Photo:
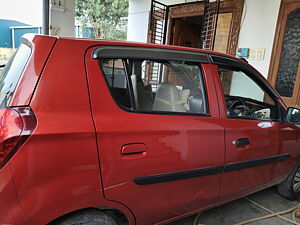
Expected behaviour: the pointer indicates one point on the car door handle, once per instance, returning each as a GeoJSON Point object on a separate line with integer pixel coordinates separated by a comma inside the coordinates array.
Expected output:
{"type": "Point", "coordinates": [242, 142]}
{"type": "Point", "coordinates": [133, 148]}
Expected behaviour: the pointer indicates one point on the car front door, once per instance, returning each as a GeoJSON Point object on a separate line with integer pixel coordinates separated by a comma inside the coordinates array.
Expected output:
{"type": "Point", "coordinates": [252, 121]}
{"type": "Point", "coordinates": [161, 143]}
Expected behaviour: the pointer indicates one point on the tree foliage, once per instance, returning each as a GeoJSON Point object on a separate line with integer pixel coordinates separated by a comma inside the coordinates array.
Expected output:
{"type": "Point", "coordinates": [107, 18]}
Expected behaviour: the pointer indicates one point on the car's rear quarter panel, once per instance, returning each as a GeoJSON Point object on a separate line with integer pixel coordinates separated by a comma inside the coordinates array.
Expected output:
{"type": "Point", "coordinates": [11, 212]}
{"type": "Point", "coordinates": [41, 47]}
{"type": "Point", "coordinates": [57, 171]}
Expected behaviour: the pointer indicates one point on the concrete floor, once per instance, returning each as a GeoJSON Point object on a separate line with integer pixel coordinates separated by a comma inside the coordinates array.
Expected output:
{"type": "Point", "coordinates": [241, 210]}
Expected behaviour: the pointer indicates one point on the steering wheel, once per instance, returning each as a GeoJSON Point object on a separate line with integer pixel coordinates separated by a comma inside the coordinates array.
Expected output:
{"type": "Point", "coordinates": [238, 106]}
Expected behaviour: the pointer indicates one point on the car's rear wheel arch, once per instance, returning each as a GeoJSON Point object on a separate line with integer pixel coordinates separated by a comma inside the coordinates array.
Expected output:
{"type": "Point", "coordinates": [119, 217]}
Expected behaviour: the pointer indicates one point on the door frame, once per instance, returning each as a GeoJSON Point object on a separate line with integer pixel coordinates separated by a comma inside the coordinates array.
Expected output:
{"type": "Point", "coordinates": [277, 47]}
{"type": "Point", "coordinates": [197, 9]}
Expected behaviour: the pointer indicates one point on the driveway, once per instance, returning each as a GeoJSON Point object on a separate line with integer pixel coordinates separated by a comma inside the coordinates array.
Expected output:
{"type": "Point", "coordinates": [241, 210]}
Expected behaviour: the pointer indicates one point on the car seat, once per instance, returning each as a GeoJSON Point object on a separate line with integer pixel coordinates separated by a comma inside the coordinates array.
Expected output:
{"type": "Point", "coordinates": [168, 99]}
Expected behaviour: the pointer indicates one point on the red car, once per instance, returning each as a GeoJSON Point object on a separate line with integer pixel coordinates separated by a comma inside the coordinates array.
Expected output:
{"type": "Point", "coordinates": [103, 132]}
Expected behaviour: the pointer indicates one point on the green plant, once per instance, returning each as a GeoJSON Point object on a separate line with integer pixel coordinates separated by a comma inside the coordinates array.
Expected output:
{"type": "Point", "coordinates": [107, 18]}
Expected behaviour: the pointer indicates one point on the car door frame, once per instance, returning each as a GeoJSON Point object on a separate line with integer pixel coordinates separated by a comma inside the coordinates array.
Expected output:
{"type": "Point", "coordinates": [113, 192]}
{"type": "Point", "coordinates": [279, 154]}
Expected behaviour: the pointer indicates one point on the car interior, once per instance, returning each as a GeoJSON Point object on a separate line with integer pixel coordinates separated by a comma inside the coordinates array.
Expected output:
{"type": "Point", "coordinates": [162, 86]}
{"type": "Point", "coordinates": [244, 98]}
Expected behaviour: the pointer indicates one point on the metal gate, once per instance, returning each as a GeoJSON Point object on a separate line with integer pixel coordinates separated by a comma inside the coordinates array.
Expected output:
{"type": "Point", "coordinates": [211, 15]}
{"type": "Point", "coordinates": [159, 26]}
{"type": "Point", "coordinates": [159, 22]}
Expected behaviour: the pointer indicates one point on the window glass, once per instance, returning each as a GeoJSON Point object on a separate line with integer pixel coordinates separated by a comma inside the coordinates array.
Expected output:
{"type": "Point", "coordinates": [11, 74]}
{"type": "Point", "coordinates": [245, 98]}
{"type": "Point", "coordinates": [114, 72]}
{"type": "Point", "coordinates": [158, 86]}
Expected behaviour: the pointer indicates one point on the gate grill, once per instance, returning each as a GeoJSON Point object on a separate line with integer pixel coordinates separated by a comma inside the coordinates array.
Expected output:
{"type": "Point", "coordinates": [211, 14]}
{"type": "Point", "coordinates": [158, 31]}
{"type": "Point", "coordinates": [157, 35]}
{"type": "Point", "coordinates": [158, 23]}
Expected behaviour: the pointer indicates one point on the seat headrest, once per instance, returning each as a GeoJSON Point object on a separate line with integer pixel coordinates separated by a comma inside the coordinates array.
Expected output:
{"type": "Point", "coordinates": [168, 99]}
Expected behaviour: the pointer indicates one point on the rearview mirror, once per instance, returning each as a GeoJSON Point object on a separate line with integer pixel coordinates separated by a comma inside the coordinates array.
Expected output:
{"type": "Point", "coordinates": [293, 115]}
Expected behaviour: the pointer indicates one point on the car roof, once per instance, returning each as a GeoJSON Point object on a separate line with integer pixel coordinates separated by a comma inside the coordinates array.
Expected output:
{"type": "Point", "coordinates": [93, 41]}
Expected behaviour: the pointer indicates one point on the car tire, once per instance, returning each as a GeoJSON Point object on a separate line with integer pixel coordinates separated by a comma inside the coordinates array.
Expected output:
{"type": "Point", "coordinates": [87, 217]}
{"type": "Point", "coordinates": [290, 188]}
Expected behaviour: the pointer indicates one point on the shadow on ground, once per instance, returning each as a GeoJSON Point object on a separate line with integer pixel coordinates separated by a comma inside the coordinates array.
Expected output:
{"type": "Point", "coordinates": [241, 210]}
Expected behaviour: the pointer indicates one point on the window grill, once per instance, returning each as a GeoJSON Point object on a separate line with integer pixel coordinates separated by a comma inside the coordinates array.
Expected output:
{"type": "Point", "coordinates": [211, 14]}
{"type": "Point", "coordinates": [157, 35]}
{"type": "Point", "coordinates": [158, 23]}
{"type": "Point", "coordinates": [158, 26]}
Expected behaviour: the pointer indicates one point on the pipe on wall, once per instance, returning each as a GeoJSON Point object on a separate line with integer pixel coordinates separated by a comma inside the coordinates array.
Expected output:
{"type": "Point", "coordinates": [46, 17]}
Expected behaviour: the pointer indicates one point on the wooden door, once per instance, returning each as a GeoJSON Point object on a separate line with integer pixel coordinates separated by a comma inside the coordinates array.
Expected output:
{"type": "Point", "coordinates": [285, 67]}
{"type": "Point", "coordinates": [230, 18]}
{"type": "Point", "coordinates": [186, 34]}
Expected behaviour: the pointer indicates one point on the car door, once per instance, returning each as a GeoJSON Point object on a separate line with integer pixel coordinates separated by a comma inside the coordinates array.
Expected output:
{"type": "Point", "coordinates": [161, 143]}
{"type": "Point", "coordinates": [252, 120]}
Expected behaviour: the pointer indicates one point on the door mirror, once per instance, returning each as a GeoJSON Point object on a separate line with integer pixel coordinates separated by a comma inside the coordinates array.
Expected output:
{"type": "Point", "coordinates": [293, 115]}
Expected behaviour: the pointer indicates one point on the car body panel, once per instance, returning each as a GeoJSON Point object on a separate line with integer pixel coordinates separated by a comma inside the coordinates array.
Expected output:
{"type": "Point", "coordinates": [263, 144]}
{"type": "Point", "coordinates": [11, 211]}
{"type": "Point", "coordinates": [172, 143]}
{"type": "Point", "coordinates": [267, 139]}
{"type": "Point", "coordinates": [73, 159]}
{"type": "Point", "coordinates": [59, 161]}
{"type": "Point", "coordinates": [41, 47]}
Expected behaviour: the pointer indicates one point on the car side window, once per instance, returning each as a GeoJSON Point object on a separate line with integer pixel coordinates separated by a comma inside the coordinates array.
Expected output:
{"type": "Point", "coordinates": [115, 74]}
{"type": "Point", "coordinates": [245, 98]}
{"type": "Point", "coordinates": [157, 86]}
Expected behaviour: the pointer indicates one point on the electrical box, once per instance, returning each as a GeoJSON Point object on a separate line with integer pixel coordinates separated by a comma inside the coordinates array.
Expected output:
{"type": "Point", "coordinates": [243, 52]}
{"type": "Point", "coordinates": [257, 54]}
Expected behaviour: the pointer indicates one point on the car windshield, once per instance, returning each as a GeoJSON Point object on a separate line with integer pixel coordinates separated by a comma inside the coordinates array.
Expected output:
{"type": "Point", "coordinates": [11, 74]}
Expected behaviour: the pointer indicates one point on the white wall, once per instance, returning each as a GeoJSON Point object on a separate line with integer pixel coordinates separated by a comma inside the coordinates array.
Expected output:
{"type": "Point", "coordinates": [62, 19]}
{"type": "Point", "coordinates": [258, 29]}
{"type": "Point", "coordinates": [138, 20]}
{"type": "Point", "coordinates": [29, 11]}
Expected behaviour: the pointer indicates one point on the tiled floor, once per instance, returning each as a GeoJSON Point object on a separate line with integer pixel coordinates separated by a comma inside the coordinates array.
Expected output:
{"type": "Point", "coordinates": [241, 210]}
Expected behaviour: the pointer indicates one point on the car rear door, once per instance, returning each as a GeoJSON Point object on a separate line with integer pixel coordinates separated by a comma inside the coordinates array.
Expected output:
{"type": "Point", "coordinates": [252, 120]}
{"type": "Point", "coordinates": [160, 155]}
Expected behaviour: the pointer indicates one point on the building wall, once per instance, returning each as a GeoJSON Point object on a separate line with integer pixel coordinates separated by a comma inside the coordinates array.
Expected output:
{"type": "Point", "coordinates": [257, 26]}
{"type": "Point", "coordinates": [62, 18]}
{"type": "Point", "coordinates": [5, 32]}
{"type": "Point", "coordinates": [138, 20]}
{"type": "Point", "coordinates": [258, 29]}
{"type": "Point", "coordinates": [20, 31]}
